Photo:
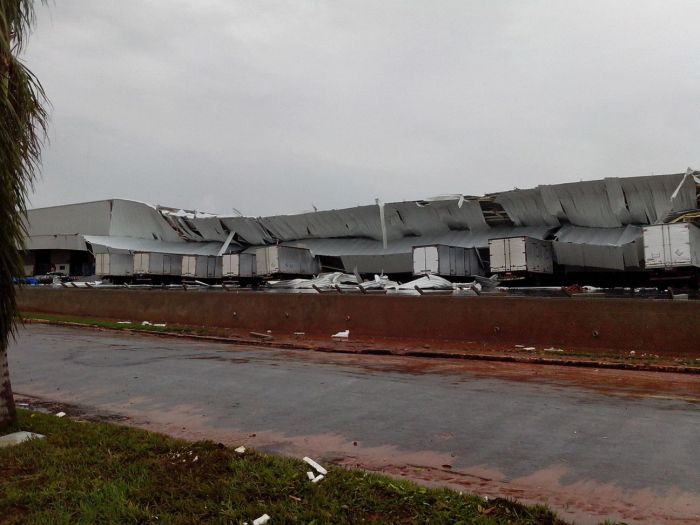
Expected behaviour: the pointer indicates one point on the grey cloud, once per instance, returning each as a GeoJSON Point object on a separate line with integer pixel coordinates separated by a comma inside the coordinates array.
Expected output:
{"type": "Point", "coordinates": [271, 107]}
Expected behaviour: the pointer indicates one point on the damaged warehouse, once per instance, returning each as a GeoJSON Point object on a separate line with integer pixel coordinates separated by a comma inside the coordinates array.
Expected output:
{"type": "Point", "coordinates": [551, 234]}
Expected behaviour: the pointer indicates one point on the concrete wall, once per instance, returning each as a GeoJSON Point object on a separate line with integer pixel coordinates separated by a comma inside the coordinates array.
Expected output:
{"type": "Point", "coordinates": [625, 324]}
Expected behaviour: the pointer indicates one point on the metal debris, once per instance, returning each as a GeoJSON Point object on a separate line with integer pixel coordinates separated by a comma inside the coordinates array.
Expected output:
{"type": "Point", "coordinates": [315, 465]}
{"type": "Point", "coordinates": [345, 334]}
{"type": "Point", "coordinates": [261, 520]}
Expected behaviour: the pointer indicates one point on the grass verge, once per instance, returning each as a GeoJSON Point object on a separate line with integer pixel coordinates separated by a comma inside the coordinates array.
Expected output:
{"type": "Point", "coordinates": [86, 472]}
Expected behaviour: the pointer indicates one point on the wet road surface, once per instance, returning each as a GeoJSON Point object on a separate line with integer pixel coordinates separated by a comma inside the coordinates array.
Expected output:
{"type": "Point", "coordinates": [591, 444]}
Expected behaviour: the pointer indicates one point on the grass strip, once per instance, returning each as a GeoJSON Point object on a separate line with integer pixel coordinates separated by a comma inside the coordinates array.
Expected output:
{"type": "Point", "coordinates": [87, 472]}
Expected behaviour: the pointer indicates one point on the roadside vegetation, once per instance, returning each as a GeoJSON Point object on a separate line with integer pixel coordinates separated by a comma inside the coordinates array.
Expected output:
{"type": "Point", "coordinates": [86, 472]}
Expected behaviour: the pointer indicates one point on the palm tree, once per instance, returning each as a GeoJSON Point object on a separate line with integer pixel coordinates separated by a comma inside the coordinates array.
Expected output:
{"type": "Point", "coordinates": [23, 120]}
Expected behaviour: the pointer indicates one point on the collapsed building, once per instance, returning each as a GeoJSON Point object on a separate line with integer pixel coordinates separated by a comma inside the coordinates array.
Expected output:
{"type": "Point", "coordinates": [610, 226]}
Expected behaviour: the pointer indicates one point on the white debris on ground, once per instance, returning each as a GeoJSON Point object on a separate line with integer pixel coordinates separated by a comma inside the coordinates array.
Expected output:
{"type": "Point", "coordinates": [428, 282]}
{"type": "Point", "coordinates": [123, 322]}
{"type": "Point", "coordinates": [323, 280]}
{"type": "Point", "coordinates": [310, 475]}
{"type": "Point", "coordinates": [261, 520]}
{"type": "Point", "coordinates": [60, 414]}
{"type": "Point", "coordinates": [146, 323]}
{"type": "Point", "coordinates": [315, 465]}
{"type": "Point", "coordinates": [345, 334]}
{"type": "Point", "coordinates": [18, 437]}
{"type": "Point", "coordinates": [160, 325]}
{"type": "Point", "coordinates": [240, 450]}
{"type": "Point", "coordinates": [351, 282]}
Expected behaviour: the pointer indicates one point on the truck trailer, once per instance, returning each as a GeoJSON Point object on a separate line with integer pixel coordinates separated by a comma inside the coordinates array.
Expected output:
{"type": "Point", "coordinates": [284, 260]}
{"type": "Point", "coordinates": [446, 261]}
{"type": "Point", "coordinates": [520, 256]}
{"type": "Point", "coordinates": [668, 246]}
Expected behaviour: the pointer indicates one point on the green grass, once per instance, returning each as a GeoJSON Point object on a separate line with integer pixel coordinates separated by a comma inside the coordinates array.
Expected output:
{"type": "Point", "coordinates": [86, 472]}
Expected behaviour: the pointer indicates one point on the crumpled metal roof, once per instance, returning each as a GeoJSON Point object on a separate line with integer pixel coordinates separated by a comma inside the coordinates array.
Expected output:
{"type": "Point", "coordinates": [600, 236]}
{"type": "Point", "coordinates": [606, 203]}
{"type": "Point", "coordinates": [112, 244]}
{"type": "Point", "coordinates": [401, 219]}
{"type": "Point", "coordinates": [454, 220]}
{"type": "Point", "coordinates": [604, 248]}
{"type": "Point", "coordinates": [466, 239]}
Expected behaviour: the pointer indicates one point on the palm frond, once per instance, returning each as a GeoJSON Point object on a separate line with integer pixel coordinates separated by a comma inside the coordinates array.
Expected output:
{"type": "Point", "coordinates": [23, 122]}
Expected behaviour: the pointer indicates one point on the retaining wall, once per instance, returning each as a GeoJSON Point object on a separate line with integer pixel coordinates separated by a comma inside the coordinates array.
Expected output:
{"type": "Point", "coordinates": [657, 326]}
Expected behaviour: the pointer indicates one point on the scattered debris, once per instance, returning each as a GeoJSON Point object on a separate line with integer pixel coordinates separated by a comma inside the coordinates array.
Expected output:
{"type": "Point", "coordinates": [529, 348]}
{"type": "Point", "coordinates": [261, 520]}
{"type": "Point", "coordinates": [315, 465]}
{"type": "Point", "coordinates": [299, 334]}
{"type": "Point", "coordinates": [310, 475]}
{"type": "Point", "coordinates": [146, 323]}
{"type": "Point", "coordinates": [240, 450]}
{"type": "Point", "coordinates": [18, 437]}
{"type": "Point", "coordinates": [318, 478]}
{"type": "Point", "coordinates": [553, 350]}
{"type": "Point", "coordinates": [60, 414]}
{"type": "Point", "coordinates": [261, 336]}
{"type": "Point", "coordinates": [123, 322]}
{"type": "Point", "coordinates": [160, 325]}
{"type": "Point", "coordinates": [427, 282]}
{"type": "Point", "coordinates": [632, 352]}
{"type": "Point", "coordinates": [519, 346]}
{"type": "Point", "coordinates": [341, 335]}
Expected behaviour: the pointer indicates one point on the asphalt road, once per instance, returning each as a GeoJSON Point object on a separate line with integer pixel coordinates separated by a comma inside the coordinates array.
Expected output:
{"type": "Point", "coordinates": [590, 446]}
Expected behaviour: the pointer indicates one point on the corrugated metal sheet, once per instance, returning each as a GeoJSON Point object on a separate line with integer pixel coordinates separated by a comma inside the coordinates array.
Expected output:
{"type": "Point", "coordinates": [110, 244]}
{"type": "Point", "coordinates": [91, 218]}
{"type": "Point", "coordinates": [602, 248]}
{"type": "Point", "coordinates": [55, 242]}
{"type": "Point", "coordinates": [608, 203]}
{"type": "Point", "coordinates": [248, 229]}
{"type": "Point", "coordinates": [354, 246]}
{"type": "Point", "coordinates": [360, 231]}
{"type": "Point", "coordinates": [429, 217]}
{"type": "Point", "coordinates": [138, 219]}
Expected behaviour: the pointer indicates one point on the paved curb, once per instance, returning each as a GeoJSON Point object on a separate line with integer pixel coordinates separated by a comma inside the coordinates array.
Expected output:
{"type": "Point", "coordinates": [644, 367]}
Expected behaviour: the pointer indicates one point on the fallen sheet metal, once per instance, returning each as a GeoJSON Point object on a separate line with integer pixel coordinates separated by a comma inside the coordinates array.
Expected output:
{"type": "Point", "coordinates": [428, 282]}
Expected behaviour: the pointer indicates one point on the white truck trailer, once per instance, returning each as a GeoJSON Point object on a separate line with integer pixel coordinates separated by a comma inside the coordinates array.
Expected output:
{"type": "Point", "coordinates": [284, 260]}
{"type": "Point", "coordinates": [148, 263]}
{"type": "Point", "coordinates": [520, 256]}
{"type": "Point", "coordinates": [114, 264]}
{"type": "Point", "coordinates": [447, 261]}
{"type": "Point", "coordinates": [668, 246]}
{"type": "Point", "coordinates": [202, 266]}
{"type": "Point", "coordinates": [239, 265]}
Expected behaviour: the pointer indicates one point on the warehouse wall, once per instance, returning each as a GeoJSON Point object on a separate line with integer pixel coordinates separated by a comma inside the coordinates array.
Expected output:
{"type": "Point", "coordinates": [622, 324]}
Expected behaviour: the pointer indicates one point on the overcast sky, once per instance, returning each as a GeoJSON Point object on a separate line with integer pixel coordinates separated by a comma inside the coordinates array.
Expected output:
{"type": "Point", "coordinates": [272, 107]}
